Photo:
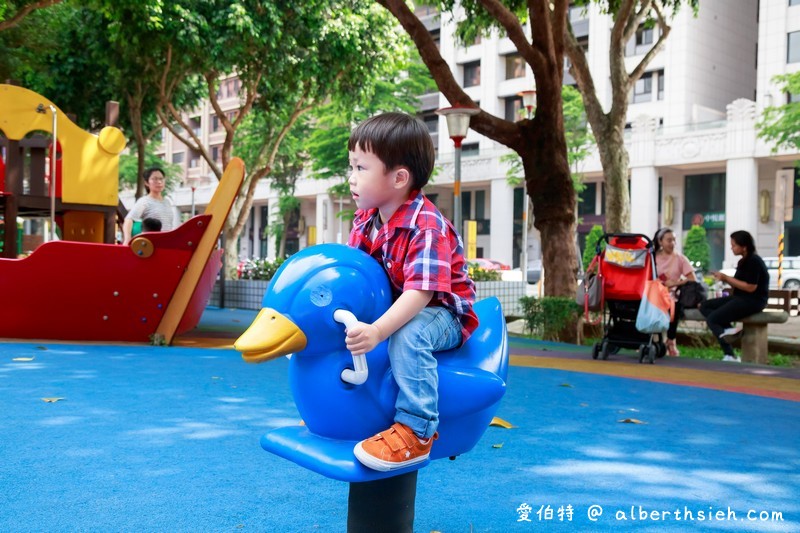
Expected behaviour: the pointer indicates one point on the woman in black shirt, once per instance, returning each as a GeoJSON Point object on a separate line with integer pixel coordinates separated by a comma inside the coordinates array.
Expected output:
{"type": "Point", "coordinates": [750, 286]}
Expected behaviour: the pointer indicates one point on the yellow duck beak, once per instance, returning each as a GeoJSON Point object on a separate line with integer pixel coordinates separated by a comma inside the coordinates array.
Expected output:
{"type": "Point", "coordinates": [271, 335]}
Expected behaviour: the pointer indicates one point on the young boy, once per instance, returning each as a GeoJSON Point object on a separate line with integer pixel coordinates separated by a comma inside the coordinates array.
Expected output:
{"type": "Point", "coordinates": [391, 159]}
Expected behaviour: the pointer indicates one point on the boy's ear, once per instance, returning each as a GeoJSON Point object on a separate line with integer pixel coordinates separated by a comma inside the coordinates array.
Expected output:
{"type": "Point", "coordinates": [402, 178]}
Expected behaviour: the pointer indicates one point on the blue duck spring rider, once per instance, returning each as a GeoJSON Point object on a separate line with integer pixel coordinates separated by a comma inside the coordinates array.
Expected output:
{"type": "Point", "coordinates": [343, 399]}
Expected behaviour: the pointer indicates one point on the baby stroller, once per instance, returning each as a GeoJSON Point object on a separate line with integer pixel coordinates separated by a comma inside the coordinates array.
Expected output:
{"type": "Point", "coordinates": [627, 262]}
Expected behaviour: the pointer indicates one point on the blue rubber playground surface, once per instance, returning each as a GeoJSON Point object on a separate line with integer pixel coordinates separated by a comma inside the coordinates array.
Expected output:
{"type": "Point", "coordinates": [140, 438]}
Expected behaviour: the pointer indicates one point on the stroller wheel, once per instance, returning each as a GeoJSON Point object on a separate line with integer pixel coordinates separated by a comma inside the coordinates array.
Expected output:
{"type": "Point", "coordinates": [595, 350]}
{"type": "Point", "coordinates": [662, 349]}
{"type": "Point", "coordinates": [642, 353]}
{"type": "Point", "coordinates": [604, 351]}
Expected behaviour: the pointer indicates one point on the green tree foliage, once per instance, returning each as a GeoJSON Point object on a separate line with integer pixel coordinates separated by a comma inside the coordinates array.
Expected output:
{"type": "Point", "coordinates": [129, 173]}
{"type": "Point", "coordinates": [398, 83]}
{"type": "Point", "coordinates": [60, 53]}
{"type": "Point", "coordinates": [14, 13]}
{"type": "Point", "coordinates": [780, 125]}
{"type": "Point", "coordinates": [590, 250]}
{"type": "Point", "coordinates": [290, 57]}
{"type": "Point", "coordinates": [696, 248]}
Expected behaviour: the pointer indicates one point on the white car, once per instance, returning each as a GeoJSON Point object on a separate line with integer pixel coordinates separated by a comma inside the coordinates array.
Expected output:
{"type": "Point", "coordinates": [790, 277]}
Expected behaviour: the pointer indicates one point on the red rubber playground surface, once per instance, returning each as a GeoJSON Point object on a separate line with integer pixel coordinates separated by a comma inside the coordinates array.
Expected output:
{"type": "Point", "coordinates": [139, 438]}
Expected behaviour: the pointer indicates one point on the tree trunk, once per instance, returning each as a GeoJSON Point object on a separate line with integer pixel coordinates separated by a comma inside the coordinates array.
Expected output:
{"type": "Point", "coordinates": [135, 115]}
{"type": "Point", "coordinates": [549, 184]}
{"type": "Point", "coordinates": [614, 159]}
{"type": "Point", "coordinates": [231, 252]}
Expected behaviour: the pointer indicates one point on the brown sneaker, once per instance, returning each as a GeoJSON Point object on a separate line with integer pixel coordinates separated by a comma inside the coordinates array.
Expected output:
{"type": "Point", "coordinates": [397, 447]}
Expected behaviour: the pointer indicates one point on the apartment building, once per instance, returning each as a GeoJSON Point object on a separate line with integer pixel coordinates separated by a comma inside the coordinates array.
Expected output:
{"type": "Point", "coordinates": [695, 157]}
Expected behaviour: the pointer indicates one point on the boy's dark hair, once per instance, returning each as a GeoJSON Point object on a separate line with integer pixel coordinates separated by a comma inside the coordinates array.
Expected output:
{"type": "Point", "coordinates": [151, 224]}
{"type": "Point", "coordinates": [399, 140]}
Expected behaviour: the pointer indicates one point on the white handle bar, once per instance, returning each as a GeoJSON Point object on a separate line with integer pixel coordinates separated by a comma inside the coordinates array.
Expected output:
{"type": "Point", "coordinates": [361, 372]}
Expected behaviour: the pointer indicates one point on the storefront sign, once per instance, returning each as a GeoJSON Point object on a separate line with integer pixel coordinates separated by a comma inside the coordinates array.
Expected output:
{"type": "Point", "coordinates": [705, 220]}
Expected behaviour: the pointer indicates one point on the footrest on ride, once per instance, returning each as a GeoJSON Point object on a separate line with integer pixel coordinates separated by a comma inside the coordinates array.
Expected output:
{"type": "Point", "coordinates": [330, 457]}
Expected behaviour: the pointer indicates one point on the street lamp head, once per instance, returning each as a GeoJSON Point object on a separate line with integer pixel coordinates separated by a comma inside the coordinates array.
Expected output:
{"type": "Point", "coordinates": [457, 121]}
{"type": "Point", "coordinates": [528, 100]}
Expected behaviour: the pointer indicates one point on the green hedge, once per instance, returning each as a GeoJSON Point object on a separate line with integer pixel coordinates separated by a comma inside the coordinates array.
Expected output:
{"type": "Point", "coordinates": [547, 318]}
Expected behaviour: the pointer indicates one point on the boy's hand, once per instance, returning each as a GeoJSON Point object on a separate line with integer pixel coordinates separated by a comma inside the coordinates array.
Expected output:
{"type": "Point", "coordinates": [362, 338]}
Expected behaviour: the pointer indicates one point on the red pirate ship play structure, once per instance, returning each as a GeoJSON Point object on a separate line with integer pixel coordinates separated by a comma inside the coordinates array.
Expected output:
{"type": "Point", "coordinates": [85, 287]}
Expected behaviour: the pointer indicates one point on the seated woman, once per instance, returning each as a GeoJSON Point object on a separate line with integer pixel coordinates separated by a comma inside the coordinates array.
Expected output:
{"type": "Point", "coordinates": [674, 270]}
{"type": "Point", "coordinates": [750, 286]}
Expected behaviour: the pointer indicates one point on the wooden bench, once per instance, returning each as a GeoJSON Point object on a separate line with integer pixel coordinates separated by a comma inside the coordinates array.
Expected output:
{"type": "Point", "coordinates": [755, 342]}
{"type": "Point", "coordinates": [785, 300]}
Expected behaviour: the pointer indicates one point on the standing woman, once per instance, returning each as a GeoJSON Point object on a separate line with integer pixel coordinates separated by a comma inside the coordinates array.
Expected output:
{"type": "Point", "coordinates": [674, 270]}
{"type": "Point", "coordinates": [750, 286]}
{"type": "Point", "coordinates": [153, 205]}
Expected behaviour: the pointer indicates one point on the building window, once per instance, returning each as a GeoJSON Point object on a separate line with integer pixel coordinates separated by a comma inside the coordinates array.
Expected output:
{"type": "Point", "coordinates": [515, 66]}
{"type": "Point", "coordinates": [643, 89]}
{"type": "Point", "coordinates": [513, 107]}
{"type": "Point", "coordinates": [177, 158]}
{"type": "Point", "coordinates": [480, 205]}
{"type": "Point", "coordinates": [588, 199]}
{"type": "Point", "coordinates": [431, 120]}
{"type": "Point", "coordinates": [214, 123]}
{"type": "Point", "coordinates": [641, 42]}
{"type": "Point", "coordinates": [436, 35]}
{"type": "Point", "coordinates": [577, 13]}
{"type": "Point", "coordinates": [794, 3]}
{"type": "Point", "coordinates": [792, 98]}
{"type": "Point", "coordinates": [470, 149]}
{"type": "Point", "coordinates": [472, 74]}
{"type": "Point", "coordinates": [216, 154]}
{"type": "Point", "coordinates": [660, 84]}
{"type": "Point", "coordinates": [793, 47]}
{"type": "Point", "coordinates": [644, 36]}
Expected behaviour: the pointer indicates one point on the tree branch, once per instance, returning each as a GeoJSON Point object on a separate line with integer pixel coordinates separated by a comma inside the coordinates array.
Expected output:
{"type": "Point", "coordinates": [664, 30]}
{"type": "Point", "coordinates": [484, 123]}
{"type": "Point", "coordinates": [583, 76]}
{"type": "Point", "coordinates": [633, 23]}
{"type": "Point", "coordinates": [24, 12]}
{"type": "Point", "coordinates": [515, 32]}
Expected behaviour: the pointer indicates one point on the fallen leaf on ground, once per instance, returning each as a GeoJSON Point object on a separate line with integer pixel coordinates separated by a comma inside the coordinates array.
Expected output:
{"type": "Point", "coordinates": [23, 359]}
{"type": "Point", "coordinates": [631, 421]}
{"type": "Point", "coordinates": [565, 385]}
{"type": "Point", "coordinates": [499, 422]}
{"type": "Point", "coordinates": [41, 347]}
{"type": "Point", "coordinates": [52, 400]}
{"type": "Point", "coordinates": [584, 404]}
{"type": "Point", "coordinates": [497, 445]}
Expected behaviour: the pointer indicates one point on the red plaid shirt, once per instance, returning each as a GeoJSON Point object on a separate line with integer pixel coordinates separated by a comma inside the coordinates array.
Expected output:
{"type": "Point", "coordinates": [420, 250]}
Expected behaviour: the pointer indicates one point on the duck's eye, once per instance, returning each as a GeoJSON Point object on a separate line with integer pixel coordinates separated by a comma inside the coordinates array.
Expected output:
{"type": "Point", "coordinates": [321, 296]}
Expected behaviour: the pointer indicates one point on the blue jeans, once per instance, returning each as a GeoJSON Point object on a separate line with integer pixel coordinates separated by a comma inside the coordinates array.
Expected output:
{"type": "Point", "coordinates": [411, 348]}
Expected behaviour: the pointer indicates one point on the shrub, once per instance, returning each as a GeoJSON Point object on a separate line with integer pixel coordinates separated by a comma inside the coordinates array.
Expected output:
{"type": "Point", "coordinates": [696, 248]}
{"type": "Point", "coordinates": [258, 269]}
{"type": "Point", "coordinates": [482, 274]}
{"type": "Point", "coordinates": [595, 234]}
{"type": "Point", "coordinates": [549, 317]}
